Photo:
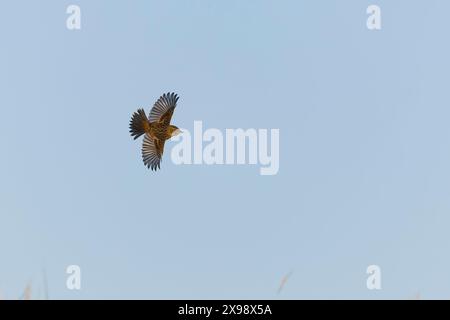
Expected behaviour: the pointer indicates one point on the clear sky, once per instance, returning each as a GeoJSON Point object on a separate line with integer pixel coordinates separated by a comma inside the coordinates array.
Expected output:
{"type": "Point", "coordinates": [364, 149]}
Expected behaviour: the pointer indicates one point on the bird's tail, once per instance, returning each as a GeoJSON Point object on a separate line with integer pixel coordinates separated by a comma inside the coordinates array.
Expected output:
{"type": "Point", "coordinates": [138, 123]}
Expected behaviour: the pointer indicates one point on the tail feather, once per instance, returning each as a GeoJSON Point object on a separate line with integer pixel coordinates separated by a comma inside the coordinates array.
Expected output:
{"type": "Point", "coordinates": [139, 124]}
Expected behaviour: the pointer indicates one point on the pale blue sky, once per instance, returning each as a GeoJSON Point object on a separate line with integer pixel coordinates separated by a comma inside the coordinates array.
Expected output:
{"type": "Point", "coordinates": [364, 152]}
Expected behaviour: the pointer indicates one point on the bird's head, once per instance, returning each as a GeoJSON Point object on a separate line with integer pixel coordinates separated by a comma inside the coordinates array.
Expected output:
{"type": "Point", "coordinates": [174, 131]}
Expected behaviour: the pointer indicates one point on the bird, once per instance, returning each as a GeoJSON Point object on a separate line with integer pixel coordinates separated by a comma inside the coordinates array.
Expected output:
{"type": "Point", "coordinates": [156, 129]}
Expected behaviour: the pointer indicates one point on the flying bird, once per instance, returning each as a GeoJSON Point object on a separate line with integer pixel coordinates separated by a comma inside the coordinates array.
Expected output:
{"type": "Point", "coordinates": [156, 129]}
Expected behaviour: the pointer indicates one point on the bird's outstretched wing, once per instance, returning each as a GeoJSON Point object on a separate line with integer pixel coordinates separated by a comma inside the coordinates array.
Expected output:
{"type": "Point", "coordinates": [163, 109]}
{"type": "Point", "coordinates": [152, 151]}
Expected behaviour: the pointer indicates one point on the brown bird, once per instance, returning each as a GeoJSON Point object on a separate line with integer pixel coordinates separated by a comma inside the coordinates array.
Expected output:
{"type": "Point", "coordinates": [156, 127]}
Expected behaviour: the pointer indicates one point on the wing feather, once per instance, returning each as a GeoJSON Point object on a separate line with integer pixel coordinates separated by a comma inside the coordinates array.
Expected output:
{"type": "Point", "coordinates": [163, 108]}
{"type": "Point", "coordinates": [152, 152]}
